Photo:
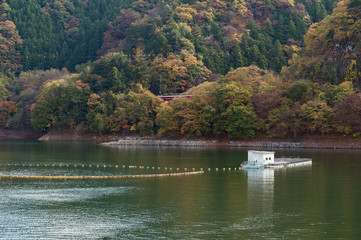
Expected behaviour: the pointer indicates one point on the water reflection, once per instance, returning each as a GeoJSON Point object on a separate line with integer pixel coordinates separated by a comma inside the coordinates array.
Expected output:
{"type": "Point", "coordinates": [260, 190]}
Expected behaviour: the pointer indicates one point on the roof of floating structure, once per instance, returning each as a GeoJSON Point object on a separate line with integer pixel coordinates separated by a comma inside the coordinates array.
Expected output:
{"type": "Point", "coordinates": [264, 152]}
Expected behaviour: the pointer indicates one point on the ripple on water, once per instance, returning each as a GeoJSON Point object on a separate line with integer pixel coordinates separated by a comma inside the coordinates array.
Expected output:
{"type": "Point", "coordinates": [63, 213]}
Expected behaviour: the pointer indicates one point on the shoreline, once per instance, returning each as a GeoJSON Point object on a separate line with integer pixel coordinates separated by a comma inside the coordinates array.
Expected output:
{"type": "Point", "coordinates": [312, 143]}
{"type": "Point", "coordinates": [8, 134]}
{"type": "Point", "coordinates": [317, 142]}
{"type": "Point", "coordinates": [329, 142]}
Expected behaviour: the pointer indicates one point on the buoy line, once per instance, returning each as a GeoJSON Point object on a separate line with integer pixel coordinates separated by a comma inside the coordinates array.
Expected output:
{"type": "Point", "coordinates": [103, 177]}
{"type": "Point", "coordinates": [118, 166]}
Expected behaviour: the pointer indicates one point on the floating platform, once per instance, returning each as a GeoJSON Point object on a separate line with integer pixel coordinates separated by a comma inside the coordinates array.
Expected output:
{"type": "Point", "coordinates": [289, 162]}
{"type": "Point", "coordinates": [280, 163]}
{"type": "Point", "coordinates": [251, 166]}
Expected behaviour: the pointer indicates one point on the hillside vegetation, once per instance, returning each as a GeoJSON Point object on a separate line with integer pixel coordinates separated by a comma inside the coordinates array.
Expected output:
{"type": "Point", "coordinates": [64, 33]}
{"type": "Point", "coordinates": [255, 68]}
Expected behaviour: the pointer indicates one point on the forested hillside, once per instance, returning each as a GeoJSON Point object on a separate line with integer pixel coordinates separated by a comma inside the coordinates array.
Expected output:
{"type": "Point", "coordinates": [61, 33]}
{"type": "Point", "coordinates": [225, 34]}
{"type": "Point", "coordinates": [64, 33]}
{"type": "Point", "coordinates": [332, 46]}
{"type": "Point", "coordinates": [255, 68]}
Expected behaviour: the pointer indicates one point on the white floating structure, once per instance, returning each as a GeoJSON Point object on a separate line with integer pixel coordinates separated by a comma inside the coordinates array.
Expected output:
{"type": "Point", "coordinates": [266, 159]}
{"type": "Point", "coordinates": [260, 157]}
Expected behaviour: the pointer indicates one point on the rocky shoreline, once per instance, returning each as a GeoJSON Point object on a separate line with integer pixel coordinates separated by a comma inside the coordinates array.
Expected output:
{"type": "Point", "coordinates": [7, 134]}
{"type": "Point", "coordinates": [334, 143]}
{"type": "Point", "coordinates": [318, 142]}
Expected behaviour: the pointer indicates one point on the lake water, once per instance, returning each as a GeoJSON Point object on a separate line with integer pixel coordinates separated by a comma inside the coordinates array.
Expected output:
{"type": "Point", "coordinates": [321, 201]}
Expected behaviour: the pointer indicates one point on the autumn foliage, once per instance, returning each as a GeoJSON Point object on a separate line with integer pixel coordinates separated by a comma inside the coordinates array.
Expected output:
{"type": "Point", "coordinates": [249, 68]}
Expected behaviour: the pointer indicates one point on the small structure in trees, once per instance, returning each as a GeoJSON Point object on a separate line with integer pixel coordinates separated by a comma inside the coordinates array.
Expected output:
{"type": "Point", "coordinates": [170, 97]}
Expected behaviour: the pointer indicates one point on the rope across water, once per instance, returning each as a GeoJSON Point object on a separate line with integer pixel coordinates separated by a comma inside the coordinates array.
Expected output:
{"type": "Point", "coordinates": [103, 177]}
{"type": "Point", "coordinates": [117, 166]}
{"type": "Point", "coordinates": [171, 173]}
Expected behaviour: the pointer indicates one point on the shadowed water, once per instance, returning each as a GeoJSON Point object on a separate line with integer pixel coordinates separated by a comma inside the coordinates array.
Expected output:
{"type": "Point", "coordinates": [321, 201]}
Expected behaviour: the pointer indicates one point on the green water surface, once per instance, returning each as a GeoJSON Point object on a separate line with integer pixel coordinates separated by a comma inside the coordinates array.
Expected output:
{"type": "Point", "coordinates": [321, 201]}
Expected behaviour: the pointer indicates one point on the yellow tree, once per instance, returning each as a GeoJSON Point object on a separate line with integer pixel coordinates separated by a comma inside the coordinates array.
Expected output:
{"type": "Point", "coordinates": [166, 120]}
{"type": "Point", "coordinates": [186, 13]}
{"type": "Point", "coordinates": [318, 116]}
{"type": "Point", "coordinates": [178, 72]}
{"type": "Point", "coordinates": [353, 75]}
{"type": "Point", "coordinates": [340, 92]}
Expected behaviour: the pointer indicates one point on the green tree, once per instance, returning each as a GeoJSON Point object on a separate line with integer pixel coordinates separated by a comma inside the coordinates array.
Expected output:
{"type": "Point", "coordinates": [237, 60]}
{"type": "Point", "coordinates": [3, 91]}
{"type": "Point", "coordinates": [238, 121]}
{"type": "Point", "coordinates": [235, 116]}
{"type": "Point", "coordinates": [299, 91]}
{"type": "Point", "coordinates": [61, 103]}
{"type": "Point", "coordinates": [96, 114]}
{"type": "Point", "coordinates": [140, 67]}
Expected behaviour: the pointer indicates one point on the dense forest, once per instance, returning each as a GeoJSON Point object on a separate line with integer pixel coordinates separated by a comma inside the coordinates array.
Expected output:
{"type": "Point", "coordinates": [280, 68]}
{"type": "Point", "coordinates": [64, 33]}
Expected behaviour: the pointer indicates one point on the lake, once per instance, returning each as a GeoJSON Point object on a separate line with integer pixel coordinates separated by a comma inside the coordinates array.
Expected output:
{"type": "Point", "coordinates": [321, 201]}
